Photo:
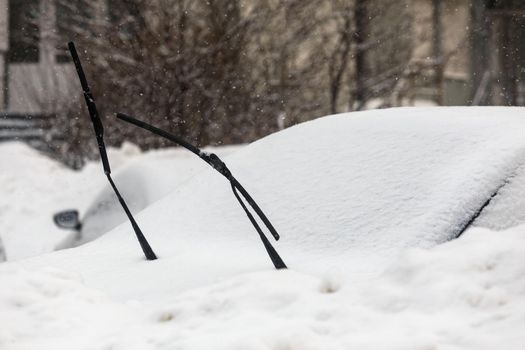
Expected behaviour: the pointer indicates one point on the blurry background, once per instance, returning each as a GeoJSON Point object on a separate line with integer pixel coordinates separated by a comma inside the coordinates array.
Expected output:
{"type": "Point", "coordinates": [231, 71]}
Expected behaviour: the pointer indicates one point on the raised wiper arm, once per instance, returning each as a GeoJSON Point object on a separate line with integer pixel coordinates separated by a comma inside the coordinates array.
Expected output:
{"type": "Point", "coordinates": [99, 133]}
{"type": "Point", "coordinates": [92, 108]}
{"type": "Point", "coordinates": [214, 161]}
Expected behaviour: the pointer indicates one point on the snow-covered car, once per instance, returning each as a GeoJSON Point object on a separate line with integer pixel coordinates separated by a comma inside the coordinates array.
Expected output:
{"type": "Point", "coordinates": [367, 205]}
{"type": "Point", "coordinates": [351, 187]}
{"type": "Point", "coordinates": [146, 179]}
{"type": "Point", "coordinates": [105, 213]}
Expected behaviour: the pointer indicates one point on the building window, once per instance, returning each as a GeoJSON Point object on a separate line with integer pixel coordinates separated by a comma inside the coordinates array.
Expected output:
{"type": "Point", "coordinates": [24, 32]}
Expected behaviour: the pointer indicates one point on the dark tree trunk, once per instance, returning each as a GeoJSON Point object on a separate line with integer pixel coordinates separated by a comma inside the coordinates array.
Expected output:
{"type": "Point", "coordinates": [360, 17]}
{"type": "Point", "coordinates": [438, 51]}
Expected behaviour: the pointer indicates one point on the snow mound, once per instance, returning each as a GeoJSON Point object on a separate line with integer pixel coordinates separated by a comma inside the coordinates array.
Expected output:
{"type": "Point", "coordinates": [44, 308]}
{"type": "Point", "coordinates": [429, 299]}
{"type": "Point", "coordinates": [347, 193]}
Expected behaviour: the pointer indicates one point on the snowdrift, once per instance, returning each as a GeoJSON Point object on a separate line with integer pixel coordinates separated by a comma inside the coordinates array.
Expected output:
{"type": "Point", "coordinates": [363, 203]}
{"type": "Point", "coordinates": [440, 298]}
{"type": "Point", "coordinates": [346, 192]}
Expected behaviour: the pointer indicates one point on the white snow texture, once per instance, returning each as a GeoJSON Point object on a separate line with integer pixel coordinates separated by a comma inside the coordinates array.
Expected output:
{"type": "Point", "coordinates": [365, 204]}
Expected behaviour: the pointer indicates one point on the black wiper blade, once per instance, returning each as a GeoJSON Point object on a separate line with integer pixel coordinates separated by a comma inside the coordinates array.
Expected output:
{"type": "Point", "coordinates": [99, 133]}
{"type": "Point", "coordinates": [214, 161]}
{"type": "Point", "coordinates": [92, 108]}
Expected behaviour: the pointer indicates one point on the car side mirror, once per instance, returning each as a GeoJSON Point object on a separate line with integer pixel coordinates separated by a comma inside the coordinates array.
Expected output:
{"type": "Point", "coordinates": [68, 219]}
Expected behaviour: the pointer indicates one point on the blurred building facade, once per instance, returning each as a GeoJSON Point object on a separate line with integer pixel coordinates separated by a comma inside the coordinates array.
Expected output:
{"type": "Point", "coordinates": [464, 52]}
{"type": "Point", "coordinates": [32, 71]}
{"type": "Point", "coordinates": [473, 49]}
{"type": "Point", "coordinates": [498, 52]}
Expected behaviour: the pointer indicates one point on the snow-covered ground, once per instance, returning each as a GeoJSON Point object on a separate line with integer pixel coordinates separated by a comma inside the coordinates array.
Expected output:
{"type": "Point", "coordinates": [365, 203]}
{"type": "Point", "coordinates": [464, 294]}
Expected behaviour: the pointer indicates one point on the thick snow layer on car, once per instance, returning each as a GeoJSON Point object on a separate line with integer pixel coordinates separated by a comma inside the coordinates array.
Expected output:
{"type": "Point", "coordinates": [464, 294]}
{"type": "Point", "coordinates": [348, 193]}
{"type": "Point", "coordinates": [506, 209]}
{"type": "Point", "coordinates": [144, 179]}
{"type": "Point", "coordinates": [362, 202]}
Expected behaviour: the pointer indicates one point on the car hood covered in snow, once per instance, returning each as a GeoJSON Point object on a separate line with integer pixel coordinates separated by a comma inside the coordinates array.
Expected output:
{"type": "Point", "coordinates": [347, 193]}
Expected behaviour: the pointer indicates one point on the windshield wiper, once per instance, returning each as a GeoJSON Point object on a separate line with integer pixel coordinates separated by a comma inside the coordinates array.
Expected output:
{"type": "Point", "coordinates": [217, 164]}
{"type": "Point", "coordinates": [99, 133]}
